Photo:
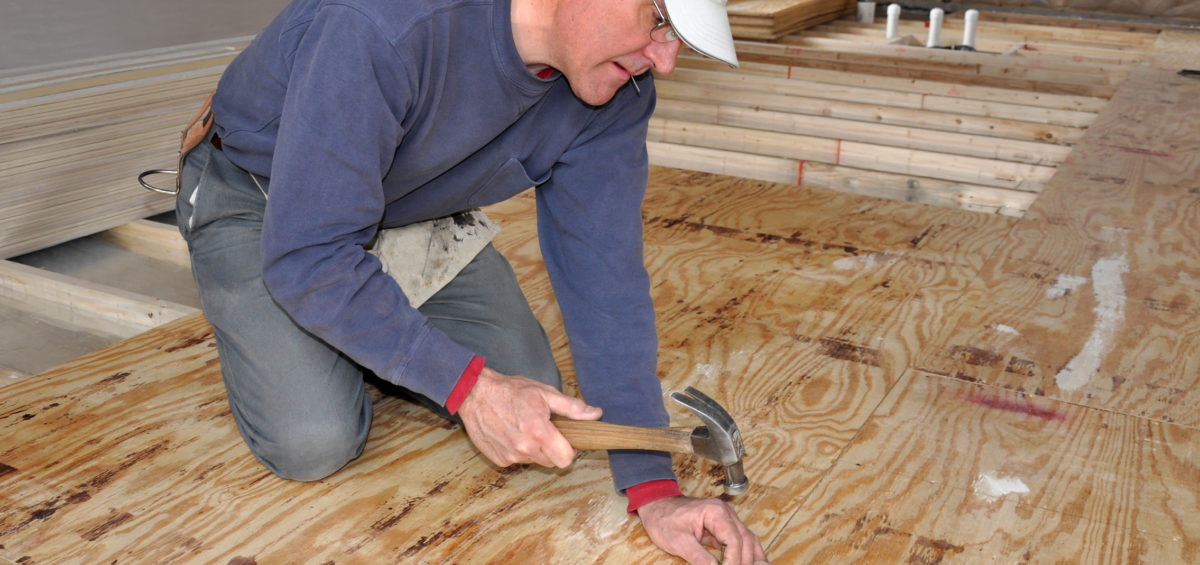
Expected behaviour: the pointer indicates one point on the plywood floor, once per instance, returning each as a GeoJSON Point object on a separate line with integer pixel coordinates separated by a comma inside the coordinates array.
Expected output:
{"type": "Point", "coordinates": [915, 385]}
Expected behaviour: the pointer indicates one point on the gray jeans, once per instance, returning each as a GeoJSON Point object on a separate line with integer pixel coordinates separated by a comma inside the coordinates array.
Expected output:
{"type": "Point", "coordinates": [302, 406]}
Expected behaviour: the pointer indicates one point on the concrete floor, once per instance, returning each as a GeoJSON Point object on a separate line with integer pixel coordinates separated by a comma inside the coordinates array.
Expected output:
{"type": "Point", "coordinates": [39, 33]}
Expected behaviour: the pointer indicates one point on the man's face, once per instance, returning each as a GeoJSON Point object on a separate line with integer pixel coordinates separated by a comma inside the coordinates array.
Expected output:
{"type": "Point", "coordinates": [604, 42]}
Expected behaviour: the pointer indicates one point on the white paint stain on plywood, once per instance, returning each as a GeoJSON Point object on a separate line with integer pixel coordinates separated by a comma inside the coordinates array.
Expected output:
{"type": "Point", "coordinates": [1004, 329]}
{"type": "Point", "coordinates": [993, 487]}
{"type": "Point", "coordinates": [1109, 289]}
{"type": "Point", "coordinates": [1064, 285]}
{"type": "Point", "coordinates": [860, 262]}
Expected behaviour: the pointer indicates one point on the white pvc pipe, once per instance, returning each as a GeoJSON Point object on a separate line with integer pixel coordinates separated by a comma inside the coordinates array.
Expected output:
{"type": "Point", "coordinates": [866, 11]}
{"type": "Point", "coordinates": [893, 22]}
{"type": "Point", "coordinates": [935, 27]}
{"type": "Point", "coordinates": [972, 23]}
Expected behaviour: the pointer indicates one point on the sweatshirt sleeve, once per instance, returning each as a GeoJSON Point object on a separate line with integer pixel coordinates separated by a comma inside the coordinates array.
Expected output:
{"type": "Point", "coordinates": [590, 228]}
{"type": "Point", "coordinates": [341, 122]}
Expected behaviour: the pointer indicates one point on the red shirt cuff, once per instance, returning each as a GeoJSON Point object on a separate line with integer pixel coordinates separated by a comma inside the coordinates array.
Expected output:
{"type": "Point", "coordinates": [465, 383]}
{"type": "Point", "coordinates": [649, 491]}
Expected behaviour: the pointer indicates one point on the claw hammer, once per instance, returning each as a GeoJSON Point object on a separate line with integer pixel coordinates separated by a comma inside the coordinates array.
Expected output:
{"type": "Point", "coordinates": [719, 440]}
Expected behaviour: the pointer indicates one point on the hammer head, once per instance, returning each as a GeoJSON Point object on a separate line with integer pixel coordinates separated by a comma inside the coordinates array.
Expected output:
{"type": "Point", "coordinates": [720, 440]}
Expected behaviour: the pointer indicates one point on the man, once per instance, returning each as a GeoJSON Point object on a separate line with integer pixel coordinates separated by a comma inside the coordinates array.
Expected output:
{"type": "Point", "coordinates": [331, 225]}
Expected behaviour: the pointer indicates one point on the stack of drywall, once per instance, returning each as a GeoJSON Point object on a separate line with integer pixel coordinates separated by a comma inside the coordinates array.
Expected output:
{"type": "Point", "coordinates": [75, 138]}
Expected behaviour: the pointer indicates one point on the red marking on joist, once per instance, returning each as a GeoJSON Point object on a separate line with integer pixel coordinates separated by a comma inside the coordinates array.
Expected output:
{"type": "Point", "coordinates": [800, 174]}
{"type": "Point", "coordinates": [789, 71]}
{"type": "Point", "coordinates": [954, 91]}
{"type": "Point", "coordinates": [837, 159]}
{"type": "Point", "coordinates": [1018, 406]}
{"type": "Point", "coordinates": [1140, 151]}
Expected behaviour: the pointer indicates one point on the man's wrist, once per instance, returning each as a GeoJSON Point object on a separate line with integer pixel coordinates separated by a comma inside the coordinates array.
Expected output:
{"type": "Point", "coordinates": [465, 383]}
{"type": "Point", "coordinates": [642, 494]}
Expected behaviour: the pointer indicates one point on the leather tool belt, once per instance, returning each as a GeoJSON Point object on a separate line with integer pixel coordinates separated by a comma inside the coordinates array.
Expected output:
{"type": "Point", "coordinates": [195, 132]}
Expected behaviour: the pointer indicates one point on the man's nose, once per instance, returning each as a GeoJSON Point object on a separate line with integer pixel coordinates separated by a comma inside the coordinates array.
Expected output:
{"type": "Point", "coordinates": [663, 55]}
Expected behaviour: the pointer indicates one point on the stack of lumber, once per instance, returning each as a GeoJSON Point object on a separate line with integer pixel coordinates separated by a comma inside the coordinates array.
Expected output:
{"type": "Point", "coordinates": [838, 107]}
{"type": "Point", "coordinates": [76, 137]}
{"type": "Point", "coordinates": [914, 385]}
{"type": "Point", "coordinates": [771, 19]}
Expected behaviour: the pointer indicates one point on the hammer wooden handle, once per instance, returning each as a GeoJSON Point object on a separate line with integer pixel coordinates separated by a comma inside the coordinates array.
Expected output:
{"type": "Point", "coordinates": [592, 435]}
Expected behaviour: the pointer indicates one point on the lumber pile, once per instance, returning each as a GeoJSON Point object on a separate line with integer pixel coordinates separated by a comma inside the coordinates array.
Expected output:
{"type": "Point", "coordinates": [839, 107]}
{"type": "Point", "coordinates": [75, 138]}
{"type": "Point", "coordinates": [771, 19]}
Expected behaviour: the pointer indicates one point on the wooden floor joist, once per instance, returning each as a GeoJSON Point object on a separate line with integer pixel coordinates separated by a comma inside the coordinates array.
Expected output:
{"type": "Point", "coordinates": [806, 84]}
{"type": "Point", "coordinates": [906, 188]}
{"type": "Point", "coordinates": [152, 239]}
{"type": "Point", "coordinates": [97, 307]}
{"type": "Point", "coordinates": [855, 154]}
{"type": "Point", "coordinates": [906, 66]}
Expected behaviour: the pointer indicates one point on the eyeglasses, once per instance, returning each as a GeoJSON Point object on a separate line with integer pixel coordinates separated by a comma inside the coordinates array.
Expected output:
{"type": "Point", "coordinates": [662, 32]}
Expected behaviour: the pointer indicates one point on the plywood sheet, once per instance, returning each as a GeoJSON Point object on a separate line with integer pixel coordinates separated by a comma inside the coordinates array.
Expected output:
{"type": "Point", "coordinates": [953, 472]}
{"type": "Point", "coordinates": [133, 449]}
{"type": "Point", "coordinates": [1100, 277]}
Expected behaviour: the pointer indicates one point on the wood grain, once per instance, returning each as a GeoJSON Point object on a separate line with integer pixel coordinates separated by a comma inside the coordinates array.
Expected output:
{"type": "Point", "coordinates": [1120, 338]}
{"type": "Point", "coordinates": [950, 472]}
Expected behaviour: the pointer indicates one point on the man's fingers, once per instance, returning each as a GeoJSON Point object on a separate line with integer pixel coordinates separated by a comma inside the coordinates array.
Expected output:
{"type": "Point", "coordinates": [694, 553]}
{"type": "Point", "coordinates": [557, 449]}
{"type": "Point", "coordinates": [741, 545]}
{"type": "Point", "coordinates": [686, 526]}
{"type": "Point", "coordinates": [571, 407]}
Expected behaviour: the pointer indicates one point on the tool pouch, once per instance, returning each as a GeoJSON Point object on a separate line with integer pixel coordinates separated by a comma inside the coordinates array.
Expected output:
{"type": "Point", "coordinates": [194, 133]}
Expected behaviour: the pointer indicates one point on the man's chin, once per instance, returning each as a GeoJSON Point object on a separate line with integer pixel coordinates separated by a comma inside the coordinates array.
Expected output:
{"type": "Point", "coordinates": [595, 96]}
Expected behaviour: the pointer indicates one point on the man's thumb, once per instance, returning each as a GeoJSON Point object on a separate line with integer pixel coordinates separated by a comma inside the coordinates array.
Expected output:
{"type": "Point", "coordinates": [573, 408]}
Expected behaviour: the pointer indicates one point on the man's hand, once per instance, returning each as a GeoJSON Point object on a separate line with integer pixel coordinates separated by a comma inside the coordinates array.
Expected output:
{"type": "Point", "coordinates": [679, 525]}
{"type": "Point", "coordinates": [508, 419]}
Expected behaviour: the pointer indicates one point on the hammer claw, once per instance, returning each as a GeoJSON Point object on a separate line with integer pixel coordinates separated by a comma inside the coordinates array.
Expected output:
{"type": "Point", "coordinates": [705, 407]}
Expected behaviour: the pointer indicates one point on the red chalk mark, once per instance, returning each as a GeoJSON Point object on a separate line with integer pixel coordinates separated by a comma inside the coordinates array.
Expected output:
{"type": "Point", "coordinates": [954, 91]}
{"type": "Point", "coordinates": [837, 158]}
{"type": "Point", "coordinates": [789, 71]}
{"type": "Point", "coordinates": [1018, 406]}
{"type": "Point", "coordinates": [800, 174]}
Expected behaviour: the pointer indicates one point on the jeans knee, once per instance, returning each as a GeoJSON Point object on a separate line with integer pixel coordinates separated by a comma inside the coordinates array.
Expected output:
{"type": "Point", "coordinates": [311, 452]}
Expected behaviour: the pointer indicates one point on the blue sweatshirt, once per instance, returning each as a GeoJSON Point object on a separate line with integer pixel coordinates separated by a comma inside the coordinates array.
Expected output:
{"type": "Point", "coordinates": [370, 114]}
